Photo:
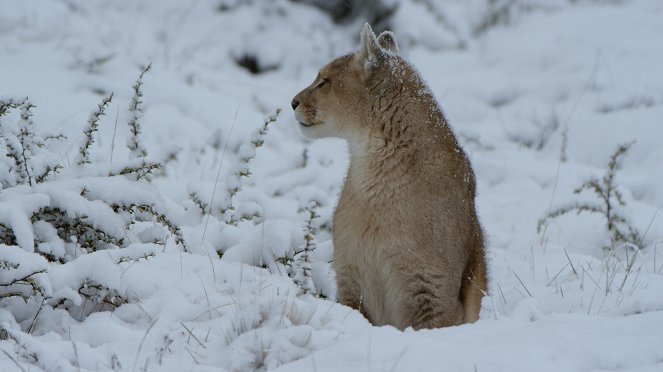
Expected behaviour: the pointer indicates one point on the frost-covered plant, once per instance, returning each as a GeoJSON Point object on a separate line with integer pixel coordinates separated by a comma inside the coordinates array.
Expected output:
{"type": "Point", "coordinates": [195, 198]}
{"type": "Point", "coordinates": [6, 105]}
{"type": "Point", "coordinates": [92, 127]}
{"type": "Point", "coordinates": [538, 134]}
{"type": "Point", "coordinates": [50, 221]}
{"type": "Point", "coordinates": [376, 12]}
{"type": "Point", "coordinates": [21, 275]}
{"type": "Point", "coordinates": [301, 265]}
{"type": "Point", "coordinates": [242, 170]}
{"type": "Point", "coordinates": [26, 144]}
{"type": "Point", "coordinates": [142, 169]}
{"type": "Point", "coordinates": [20, 146]}
{"type": "Point", "coordinates": [610, 198]}
{"type": "Point", "coordinates": [136, 111]}
{"type": "Point", "coordinates": [498, 13]}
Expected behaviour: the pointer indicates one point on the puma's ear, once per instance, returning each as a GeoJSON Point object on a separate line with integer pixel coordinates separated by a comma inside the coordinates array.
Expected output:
{"type": "Point", "coordinates": [369, 49]}
{"type": "Point", "coordinates": [388, 42]}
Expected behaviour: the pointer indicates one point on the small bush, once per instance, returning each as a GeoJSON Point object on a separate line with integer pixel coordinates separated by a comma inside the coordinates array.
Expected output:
{"type": "Point", "coordinates": [609, 196]}
{"type": "Point", "coordinates": [301, 265]}
{"type": "Point", "coordinates": [375, 12]}
{"type": "Point", "coordinates": [52, 214]}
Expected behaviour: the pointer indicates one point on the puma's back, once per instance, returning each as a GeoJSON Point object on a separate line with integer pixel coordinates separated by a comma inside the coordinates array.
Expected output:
{"type": "Point", "coordinates": [408, 247]}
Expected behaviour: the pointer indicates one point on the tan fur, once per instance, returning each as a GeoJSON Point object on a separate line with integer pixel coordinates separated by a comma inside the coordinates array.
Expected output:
{"type": "Point", "coordinates": [408, 247]}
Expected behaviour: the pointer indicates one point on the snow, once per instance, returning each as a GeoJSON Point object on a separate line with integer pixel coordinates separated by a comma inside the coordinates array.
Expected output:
{"type": "Point", "coordinates": [539, 101]}
{"type": "Point", "coordinates": [571, 343]}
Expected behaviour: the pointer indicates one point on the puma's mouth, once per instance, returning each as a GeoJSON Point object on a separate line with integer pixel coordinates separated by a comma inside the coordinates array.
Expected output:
{"type": "Point", "coordinates": [307, 125]}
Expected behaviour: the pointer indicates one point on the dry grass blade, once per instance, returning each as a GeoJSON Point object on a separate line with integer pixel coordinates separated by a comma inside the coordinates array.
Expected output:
{"type": "Point", "coordinates": [585, 88]}
{"type": "Point", "coordinates": [117, 115]}
{"type": "Point", "coordinates": [570, 263]}
{"type": "Point", "coordinates": [556, 275]}
{"type": "Point", "coordinates": [398, 360]}
{"type": "Point", "coordinates": [206, 295]}
{"type": "Point", "coordinates": [521, 283]}
{"type": "Point", "coordinates": [34, 320]}
{"type": "Point", "coordinates": [13, 360]}
{"type": "Point", "coordinates": [195, 360]}
{"type": "Point", "coordinates": [648, 227]}
{"type": "Point", "coordinates": [216, 182]}
{"type": "Point", "coordinates": [140, 346]}
{"type": "Point", "coordinates": [499, 288]}
{"type": "Point", "coordinates": [193, 336]}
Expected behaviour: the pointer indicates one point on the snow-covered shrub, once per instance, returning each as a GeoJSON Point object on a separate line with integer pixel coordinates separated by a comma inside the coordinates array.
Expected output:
{"type": "Point", "coordinates": [137, 149]}
{"type": "Point", "coordinates": [496, 13]}
{"type": "Point", "coordinates": [59, 221]}
{"type": "Point", "coordinates": [377, 12]}
{"type": "Point", "coordinates": [241, 170]}
{"type": "Point", "coordinates": [610, 201]}
{"type": "Point", "coordinates": [237, 229]}
{"type": "Point", "coordinates": [453, 24]}
{"type": "Point", "coordinates": [20, 144]}
{"type": "Point", "coordinates": [252, 63]}
{"type": "Point", "coordinates": [219, 215]}
{"type": "Point", "coordinates": [93, 126]}
{"type": "Point", "coordinates": [300, 269]}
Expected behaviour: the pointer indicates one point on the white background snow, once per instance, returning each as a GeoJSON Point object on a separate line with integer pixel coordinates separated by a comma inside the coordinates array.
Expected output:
{"type": "Point", "coordinates": [539, 102]}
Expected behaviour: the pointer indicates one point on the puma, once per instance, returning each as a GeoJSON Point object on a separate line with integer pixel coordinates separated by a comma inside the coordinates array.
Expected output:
{"type": "Point", "coordinates": [408, 246]}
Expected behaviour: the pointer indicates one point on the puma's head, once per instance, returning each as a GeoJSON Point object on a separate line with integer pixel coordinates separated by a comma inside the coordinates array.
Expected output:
{"type": "Point", "coordinates": [338, 102]}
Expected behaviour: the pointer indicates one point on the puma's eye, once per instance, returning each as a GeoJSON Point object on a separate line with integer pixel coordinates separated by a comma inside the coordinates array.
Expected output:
{"type": "Point", "coordinates": [321, 83]}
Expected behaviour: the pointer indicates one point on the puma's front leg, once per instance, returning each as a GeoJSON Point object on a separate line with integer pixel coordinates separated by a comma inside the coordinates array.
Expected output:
{"type": "Point", "coordinates": [348, 290]}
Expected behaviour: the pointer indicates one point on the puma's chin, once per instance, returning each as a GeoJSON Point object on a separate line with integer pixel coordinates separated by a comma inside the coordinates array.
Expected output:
{"type": "Point", "coordinates": [311, 130]}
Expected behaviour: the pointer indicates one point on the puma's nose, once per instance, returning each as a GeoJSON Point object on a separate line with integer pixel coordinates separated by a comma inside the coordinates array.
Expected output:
{"type": "Point", "coordinates": [294, 103]}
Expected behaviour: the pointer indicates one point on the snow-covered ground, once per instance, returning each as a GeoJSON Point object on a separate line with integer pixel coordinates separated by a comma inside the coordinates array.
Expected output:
{"type": "Point", "coordinates": [539, 102]}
